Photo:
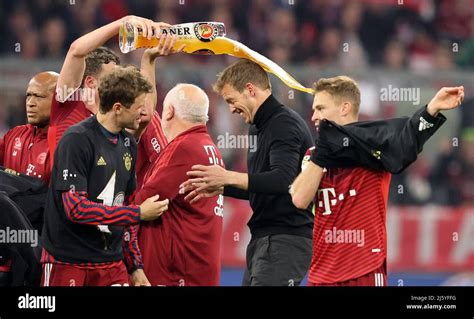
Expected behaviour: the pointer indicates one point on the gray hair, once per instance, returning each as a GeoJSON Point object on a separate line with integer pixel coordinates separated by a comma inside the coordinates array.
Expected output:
{"type": "Point", "coordinates": [190, 102]}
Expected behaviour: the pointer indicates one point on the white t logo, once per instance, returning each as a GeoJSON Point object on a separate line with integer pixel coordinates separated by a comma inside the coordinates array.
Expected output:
{"type": "Point", "coordinates": [211, 152]}
{"type": "Point", "coordinates": [30, 169]}
{"type": "Point", "coordinates": [326, 200]}
{"type": "Point", "coordinates": [65, 173]}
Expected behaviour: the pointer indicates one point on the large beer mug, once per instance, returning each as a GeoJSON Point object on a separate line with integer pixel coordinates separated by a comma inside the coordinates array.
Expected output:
{"type": "Point", "coordinates": [196, 36]}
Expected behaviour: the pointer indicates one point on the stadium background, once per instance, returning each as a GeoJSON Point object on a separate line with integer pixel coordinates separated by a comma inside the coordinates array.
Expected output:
{"type": "Point", "coordinates": [383, 44]}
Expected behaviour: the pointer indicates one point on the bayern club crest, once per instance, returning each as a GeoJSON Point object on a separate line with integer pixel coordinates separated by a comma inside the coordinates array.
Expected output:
{"type": "Point", "coordinates": [127, 160]}
{"type": "Point", "coordinates": [205, 32]}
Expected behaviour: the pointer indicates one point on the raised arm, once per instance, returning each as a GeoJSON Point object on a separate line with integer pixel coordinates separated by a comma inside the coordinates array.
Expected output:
{"type": "Point", "coordinates": [75, 61]}
{"type": "Point", "coordinates": [148, 68]}
{"type": "Point", "coordinates": [447, 98]}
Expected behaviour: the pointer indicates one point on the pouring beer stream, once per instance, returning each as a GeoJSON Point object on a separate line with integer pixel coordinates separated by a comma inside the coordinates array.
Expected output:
{"type": "Point", "coordinates": [205, 38]}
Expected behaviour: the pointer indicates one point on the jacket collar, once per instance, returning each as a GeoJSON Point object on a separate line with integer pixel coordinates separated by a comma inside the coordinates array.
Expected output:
{"type": "Point", "coordinates": [266, 111]}
{"type": "Point", "coordinates": [195, 129]}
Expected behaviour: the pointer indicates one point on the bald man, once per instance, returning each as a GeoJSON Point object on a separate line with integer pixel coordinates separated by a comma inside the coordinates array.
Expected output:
{"type": "Point", "coordinates": [24, 148]}
{"type": "Point", "coordinates": [182, 247]}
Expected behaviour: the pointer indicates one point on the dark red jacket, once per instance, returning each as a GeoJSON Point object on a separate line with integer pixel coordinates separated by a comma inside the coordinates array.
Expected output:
{"type": "Point", "coordinates": [182, 247]}
{"type": "Point", "coordinates": [25, 149]}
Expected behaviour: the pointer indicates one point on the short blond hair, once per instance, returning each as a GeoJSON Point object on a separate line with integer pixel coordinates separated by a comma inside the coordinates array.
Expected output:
{"type": "Point", "coordinates": [341, 88]}
{"type": "Point", "coordinates": [240, 73]}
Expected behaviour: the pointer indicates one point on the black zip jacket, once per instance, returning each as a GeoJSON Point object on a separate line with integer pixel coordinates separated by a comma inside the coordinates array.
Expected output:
{"type": "Point", "coordinates": [390, 145]}
{"type": "Point", "coordinates": [282, 141]}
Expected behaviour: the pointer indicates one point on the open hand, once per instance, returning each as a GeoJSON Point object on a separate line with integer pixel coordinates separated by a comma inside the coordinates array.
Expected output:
{"type": "Point", "coordinates": [446, 99]}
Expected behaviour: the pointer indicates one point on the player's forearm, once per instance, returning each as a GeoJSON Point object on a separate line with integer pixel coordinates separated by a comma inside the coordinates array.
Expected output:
{"type": "Point", "coordinates": [81, 210]}
{"type": "Point", "coordinates": [147, 69]}
{"type": "Point", "coordinates": [75, 60]}
{"type": "Point", "coordinates": [284, 160]}
{"type": "Point", "coordinates": [131, 251]}
{"type": "Point", "coordinates": [94, 39]}
{"type": "Point", "coordinates": [305, 186]}
{"type": "Point", "coordinates": [237, 193]}
{"type": "Point", "coordinates": [271, 182]}
{"type": "Point", "coordinates": [432, 110]}
{"type": "Point", "coordinates": [237, 180]}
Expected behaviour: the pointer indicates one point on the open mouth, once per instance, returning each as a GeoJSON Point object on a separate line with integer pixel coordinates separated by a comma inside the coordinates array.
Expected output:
{"type": "Point", "coordinates": [240, 112]}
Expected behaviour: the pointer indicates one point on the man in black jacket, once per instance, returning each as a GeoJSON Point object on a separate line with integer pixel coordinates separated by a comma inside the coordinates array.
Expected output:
{"type": "Point", "coordinates": [280, 249]}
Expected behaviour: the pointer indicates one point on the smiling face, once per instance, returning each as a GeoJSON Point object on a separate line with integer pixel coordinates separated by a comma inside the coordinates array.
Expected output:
{"type": "Point", "coordinates": [239, 103]}
{"type": "Point", "coordinates": [38, 103]}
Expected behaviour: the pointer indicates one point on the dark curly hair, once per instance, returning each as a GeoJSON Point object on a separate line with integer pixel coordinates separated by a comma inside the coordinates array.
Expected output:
{"type": "Point", "coordinates": [122, 85]}
{"type": "Point", "coordinates": [96, 58]}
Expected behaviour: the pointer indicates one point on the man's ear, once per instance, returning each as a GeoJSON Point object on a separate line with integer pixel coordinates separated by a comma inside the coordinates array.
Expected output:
{"type": "Point", "coordinates": [169, 112]}
{"type": "Point", "coordinates": [250, 88]}
{"type": "Point", "coordinates": [346, 108]}
{"type": "Point", "coordinates": [90, 82]}
{"type": "Point", "coordinates": [117, 108]}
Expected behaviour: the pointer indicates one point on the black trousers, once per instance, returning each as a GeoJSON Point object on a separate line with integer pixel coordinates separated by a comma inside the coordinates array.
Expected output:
{"type": "Point", "coordinates": [277, 260]}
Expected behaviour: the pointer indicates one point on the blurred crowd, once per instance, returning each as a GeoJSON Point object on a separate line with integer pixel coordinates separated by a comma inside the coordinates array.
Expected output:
{"type": "Point", "coordinates": [412, 35]}
{"type": "Point", "coordinates": [448, 180]}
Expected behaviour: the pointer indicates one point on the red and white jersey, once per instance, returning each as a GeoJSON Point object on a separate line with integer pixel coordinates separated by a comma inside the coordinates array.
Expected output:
{"type": "Point", "coordinates": [24, 149]}
{"type": "Point", "coordinates": [63, 116]}
{"type": "Point", "coordinates": [350, 236]}
{"type": "Point", "coordinates": [149, 147]}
